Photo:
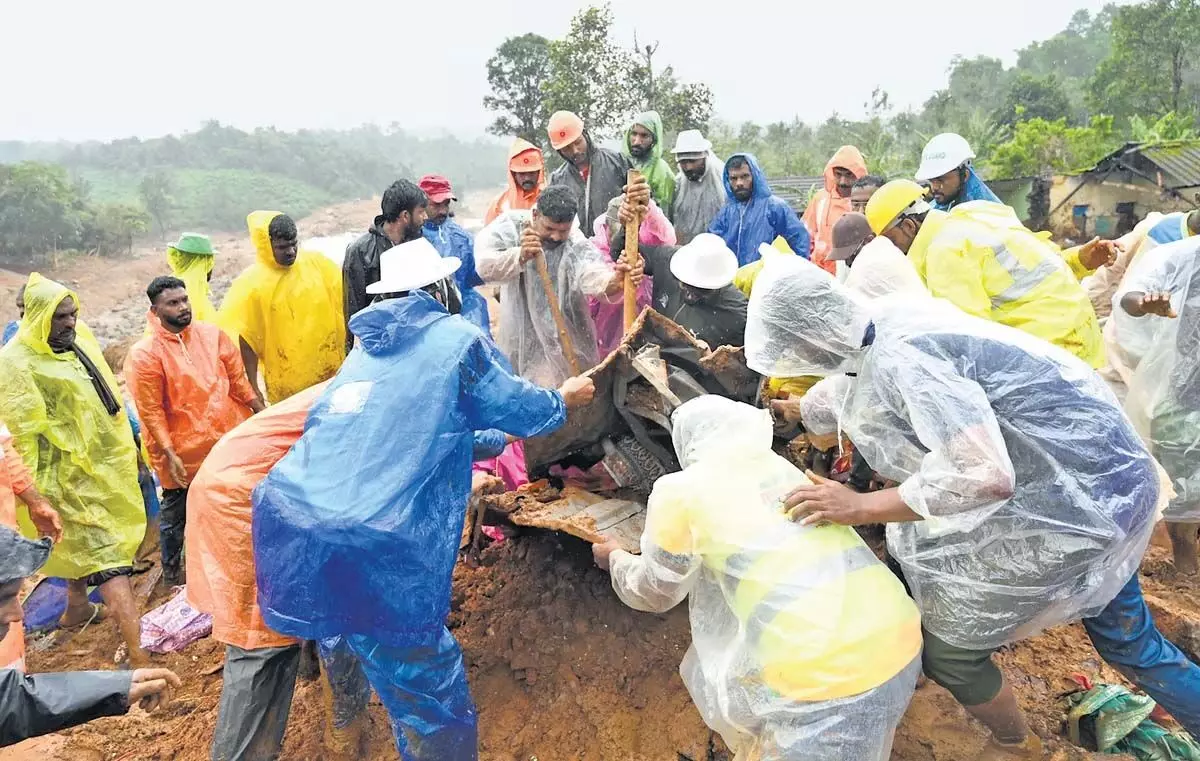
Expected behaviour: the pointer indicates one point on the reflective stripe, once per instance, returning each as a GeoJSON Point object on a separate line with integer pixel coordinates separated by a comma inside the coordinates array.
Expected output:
{"type": "Point", "coordinates": [1024, 279]}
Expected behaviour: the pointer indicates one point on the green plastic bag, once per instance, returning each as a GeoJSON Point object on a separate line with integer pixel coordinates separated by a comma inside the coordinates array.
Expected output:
{"type": "Point", "coordinates": [1111, 719]}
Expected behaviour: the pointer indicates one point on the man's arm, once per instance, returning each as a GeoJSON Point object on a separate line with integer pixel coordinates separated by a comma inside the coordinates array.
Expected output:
{"type": "Point", "coordinates": [498, 251]}
{"type": "Point", "coordinates": [31, 706]}
{"type": "Point", "coordinates": [956, 274]}
{"type": "Point", "coordinates": [250, 362]}
{"type": "Point", "coordinates": [488, 444]}
{"type": "Point", "coordinates": [492, 397]}
{"type": "Point", "coordinates": [43, 516]}
{"type": "Point", "coordinates": [240, 389]}
{"type": "Point", "coordinates": [792, 230]}
{"type": "Point", "coordinates": [147, 385]}
{"type": "Point", "coordinates": [354, 290]}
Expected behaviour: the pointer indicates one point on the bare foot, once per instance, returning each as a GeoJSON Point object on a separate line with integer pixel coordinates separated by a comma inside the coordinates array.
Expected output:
{"type": "Point", "coordinates": [82, 615]}
{"type": "Point", "coordinates": [1185, 547]}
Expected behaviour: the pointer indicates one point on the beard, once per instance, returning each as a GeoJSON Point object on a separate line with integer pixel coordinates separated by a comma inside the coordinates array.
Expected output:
{"type": "Point", "coordinates": [179, 321]}
{"type": "Point", "coordinates": [639, 151]}
{"type": "Point", "coordinates": [411, 232]}
{"type": "Point", "coordinates": [743, 195]}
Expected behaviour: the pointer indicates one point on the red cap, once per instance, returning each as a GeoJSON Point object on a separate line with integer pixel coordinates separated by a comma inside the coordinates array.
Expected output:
{"type": "Point", "coordinates": [437, 188]}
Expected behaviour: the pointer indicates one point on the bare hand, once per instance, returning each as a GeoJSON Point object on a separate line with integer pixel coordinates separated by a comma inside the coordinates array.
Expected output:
{"type": "Point", "coordinates": [628, 212]}
{"type": "Point", "coordinates": [46, 520]}
{"type": "Point", "coordinates": [153, 688]}
{"type": "Point", "coordinates": [1098, 253]}
{"type": "Point", "coordinates": [578, 391]}
{"type": "Point", "coordinates": [176, 469]}
{"type": "Point", "coordinates": [531, 245]}
{"type": "Point", "coordinates": [638, 192]}
{"type": "Point", "coordinates": [1158, 303]}
{"type": "Point", "coordinates": [635, 272]}
{"type": "Point", "coordinates": [787, 410]}
{"type": "Point", "coordinates": [602, 553]}
{"type": "Point", "coordinates": [825, 501]}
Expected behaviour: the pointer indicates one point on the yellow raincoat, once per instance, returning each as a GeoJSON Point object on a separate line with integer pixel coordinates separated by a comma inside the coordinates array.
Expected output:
{"type": "Point", "coordinates": [83, 459]}
{"type": "Point", "coordinates": [982, 259]}
{"type": "Point", "coordinates": [290, 316]}
{"type": "Point", "coordinates": [193, 270]}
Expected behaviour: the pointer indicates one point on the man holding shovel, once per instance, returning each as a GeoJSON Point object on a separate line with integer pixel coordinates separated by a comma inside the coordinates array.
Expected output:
{"type": "Point", "coordinates": [547, 269]}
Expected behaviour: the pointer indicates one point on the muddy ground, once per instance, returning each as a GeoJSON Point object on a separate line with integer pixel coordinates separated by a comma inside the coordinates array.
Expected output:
{"type": "Point", "coordinates": [560, 669]}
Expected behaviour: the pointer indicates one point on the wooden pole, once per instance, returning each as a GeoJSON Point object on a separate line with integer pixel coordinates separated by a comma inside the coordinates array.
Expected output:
{"type": "Point", "coordinates": [567, 346]}
{"type": "Point", "coordinates": [632, 256]}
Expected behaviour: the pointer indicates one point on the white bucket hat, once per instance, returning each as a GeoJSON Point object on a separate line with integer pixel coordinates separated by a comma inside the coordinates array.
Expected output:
{"type": "Point", "coordinates": [706, 263]}
{"type": "Point", "coordinates": [412, 265]}
{"type": "Point", "coordinates": [691, 141]}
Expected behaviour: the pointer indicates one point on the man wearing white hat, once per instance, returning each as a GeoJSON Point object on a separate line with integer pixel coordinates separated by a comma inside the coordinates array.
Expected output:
{"type": "Point", "coordinates": [356, 530]}
{"type": "Point", "coordinates": [699, 187]}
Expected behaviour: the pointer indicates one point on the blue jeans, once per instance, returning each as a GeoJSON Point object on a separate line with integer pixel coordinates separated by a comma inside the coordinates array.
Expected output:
{"type": "Point", "coordinates": [1124, 634]}
{"type": "Point", "coordinates": [423, 687]}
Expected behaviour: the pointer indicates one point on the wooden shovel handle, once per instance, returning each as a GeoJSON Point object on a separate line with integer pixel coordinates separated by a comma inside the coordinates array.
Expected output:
{"type": "Point", "coordinates": [564, 338]}
{"type": "Point", "coordinates": [632, 256]}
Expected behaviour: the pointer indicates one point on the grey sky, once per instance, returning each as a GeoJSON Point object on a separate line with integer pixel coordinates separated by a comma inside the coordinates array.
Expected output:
{"type": "Point", "coordinates": [82, 69]}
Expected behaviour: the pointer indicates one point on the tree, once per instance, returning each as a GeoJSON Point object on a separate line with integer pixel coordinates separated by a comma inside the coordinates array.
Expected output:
{"type": "Point", "coordinates": [1039, 146]}
{"type": "Point", "coordinates": [1154, 66]}
{"type": "Point", "coordinates": [39, 210]}
{"type": "Point", "coordinates": [1035, 97]}
{"type": "Point", "coordinates": [589, 74]}
{"type": "Point", "coordinates": [155, 192]}
{"type": "Point", "coordinates": [1170, 126]}
{"type": "Point", "coordinates": [515, 74]}
{"type": "Point", "coordinates": [681, 105]}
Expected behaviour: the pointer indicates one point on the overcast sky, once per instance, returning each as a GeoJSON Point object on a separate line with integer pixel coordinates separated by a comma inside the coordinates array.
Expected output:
{"type": "Point", "coordinates": [79, 69]}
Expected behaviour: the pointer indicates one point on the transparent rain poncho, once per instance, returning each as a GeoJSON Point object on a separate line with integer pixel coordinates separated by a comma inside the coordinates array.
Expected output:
{"type": "Point", "coordinates": [804, 645]}
{"type": "Point", "coordinates": [1164, 394]}
{"type": "Point", "coordinates": [881, 269]}
{"type": "Point", "coordinates": [821, 408]}
{"type": "Point", "coordinates": [1038, 497]}
{"type": "Point", "coordinates": [1131, 337]}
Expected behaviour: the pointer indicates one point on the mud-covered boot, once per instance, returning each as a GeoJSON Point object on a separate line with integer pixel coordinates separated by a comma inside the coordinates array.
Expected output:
{"type": "Point", "coordinates": [1030, 749]}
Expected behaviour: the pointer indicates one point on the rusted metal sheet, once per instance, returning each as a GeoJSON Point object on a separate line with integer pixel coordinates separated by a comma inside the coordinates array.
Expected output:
{"type": "Point", "coordinates": [591, 517]}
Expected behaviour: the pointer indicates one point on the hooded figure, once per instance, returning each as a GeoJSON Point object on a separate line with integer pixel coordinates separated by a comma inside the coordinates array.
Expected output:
{"type": "Point", "coordinates": [653, 167]}
{"type": "Point", "coordinates": [828, 205]}
{"type": "Point", "coordinates": [290, 317]}
{"type": "Point", "coordinates": [1026, 498]}
{"type": "Point", "coordinates": [804, 645]}
{"type": "Point", "coordinates": [698, 202]}
{"type": "Point", "coordinates": [68, 422]}
{"type": "Point", "coordinates": [762, 217]}
{"type": "Point", "coordinates": [973, 189]}
{"type": "Point", "coordinates": [369, 558]}
{"type": "Point", "coordinates": [191, 259]}
{"type": "Point", "coordinates": [523, 157]}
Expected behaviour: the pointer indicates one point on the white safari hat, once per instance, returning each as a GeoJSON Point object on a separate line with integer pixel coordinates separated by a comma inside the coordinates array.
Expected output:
{"type": "Point", "coordinates": [706, 263]}
{"type": "Point", "coordinates": [691, 141]}
{"type": "Point", "coordinates": [412, 265]}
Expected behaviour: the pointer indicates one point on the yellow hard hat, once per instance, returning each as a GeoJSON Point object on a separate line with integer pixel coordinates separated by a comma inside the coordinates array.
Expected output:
{"type": "Point", "coordinates": [890, 201]}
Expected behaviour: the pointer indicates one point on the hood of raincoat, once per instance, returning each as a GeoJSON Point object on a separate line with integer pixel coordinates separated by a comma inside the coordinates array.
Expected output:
{"type": "Point", "coordinates": [382, 326]}
{"type": "Point", "coordinates": [801, 321]}
{"type": "Point", "coordinates": [712, 426]}
{"type": "Point", "coordinates": [846, 157]}
{"type": "Point", "coordinates": [42, 297]}
{"type": "Point", "coordinates": [259, 223]}
{"type": "Point", "coordinates": [974, 189]}
{"type": "Point", "coordinates": [193, 270]}
{"type": "Point", "coordinates": [762, 188]}
{"type": "Point", "coordinates": [653, 122]}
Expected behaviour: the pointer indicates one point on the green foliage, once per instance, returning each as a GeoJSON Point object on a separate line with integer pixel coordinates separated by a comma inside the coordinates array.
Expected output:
{"type": "Point", "coordinates": [589, 73]}
{"type": "Point", "coordinates": [1038, 146]}
{"type": "Point", "coordinates": [515, 75]}
{"type": "Point", "coordinates": [1170, 126]}
{"type": "Point", "coordinates": [155, 193]}
{"type": "Point", "coordinates": [1035, 97]}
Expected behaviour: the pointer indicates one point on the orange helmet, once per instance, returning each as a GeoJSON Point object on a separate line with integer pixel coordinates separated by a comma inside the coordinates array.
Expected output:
{"type": "Point", "coordinates": [564, 129]}
{"type": "Point", "coordinates": [528, 160]}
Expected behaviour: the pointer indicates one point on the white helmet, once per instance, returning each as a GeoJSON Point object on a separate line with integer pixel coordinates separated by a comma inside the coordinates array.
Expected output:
{"type": "Point", "coordinates": [943, 153]}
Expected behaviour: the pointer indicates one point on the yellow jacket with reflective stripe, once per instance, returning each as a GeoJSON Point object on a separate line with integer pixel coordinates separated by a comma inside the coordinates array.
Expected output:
{"type": "Point", "coordinates": [979, 257]}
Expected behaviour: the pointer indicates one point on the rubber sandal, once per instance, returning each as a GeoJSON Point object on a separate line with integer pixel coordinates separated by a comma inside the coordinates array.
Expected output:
{"type": "Point", "coordinates": [99, 613]}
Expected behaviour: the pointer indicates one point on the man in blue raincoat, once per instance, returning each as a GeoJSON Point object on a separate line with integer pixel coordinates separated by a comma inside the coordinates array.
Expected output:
{"type": "Point", "coordinates": [450, 239]}
{"type": "Point", "coordinates": [356, 530]}
{"type": "Point", "coordinates": [753, 215]}
{"type": "Point", "coordinates": [946, 169]}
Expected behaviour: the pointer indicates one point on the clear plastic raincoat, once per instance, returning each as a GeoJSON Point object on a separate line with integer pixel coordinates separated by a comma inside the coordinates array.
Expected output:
{"type": "Point", "coordinates": [1164, 395]}
{"type": "Point", "coordinates": [1037, 495]}
{"type": "Point", "coordinates": [1129, 337]}
{"type": "Point", "coordinates": [697, 203]}
{"type": "Point", "coordinates": [290, 316]}
{"type": "Point", "coordinates": [82, 456]}
{"type": "Point", "coordinates": [804, 645]}
{"type": "Point", "coordinates": [982, 259]}
{"type": "Point", "coordinates": [821, 408]}
{"type": "Point", "coordinates": [529, 336]}
{"type": "Point", "coordinates": [746, 226]}
{"type": "Point", "coordinates": [654, 167]}
{"type": "Point", "coordinates": [881, 269]}
{"type": "Point", "coordinates": [373, 554]}
{"type": "Point", "coordinates": [193, 270]}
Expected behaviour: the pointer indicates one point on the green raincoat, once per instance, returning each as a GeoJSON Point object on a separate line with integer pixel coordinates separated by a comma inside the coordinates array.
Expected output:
{"type": "Point", "coordinates": [656, 170]}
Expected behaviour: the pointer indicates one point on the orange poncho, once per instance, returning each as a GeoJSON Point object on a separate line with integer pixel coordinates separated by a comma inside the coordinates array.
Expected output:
{"type": "Point", "coordinates": [14, 479]}
{"type": "Point", "coordinates": [827, 207]}
{"type": "Point", "coordinates": [524, 156]}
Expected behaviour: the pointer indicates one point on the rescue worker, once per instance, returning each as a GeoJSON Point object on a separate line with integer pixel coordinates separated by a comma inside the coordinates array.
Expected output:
{"type": "Point", "coordinates": [862, 190]}
{"type": "Point", "coordinates": [699, 187]}
{"type": "Point", "coordinates": [644, 147]}
{"type": "Point", "coordinates": [980, 258]}
{"type": "Point", "coordinates": [403, 211]}
{"type": "Point", "coordinates": [804, 645]}
{"type": "Point", "coordinates": [286, 310]}
{"type": "Point", "coordinates": [11, 327]}
{"type": "Point", "coordinates": [1175, 227]}
{"type": "Point", "coordinates": [526, 178]}
{"type": "Point", "coordinates": [261, 665]}
{"type": "Point", "coordinates": [1103, 283]}
{"type": "Point", "coordinates": [31, 706]}
{"type": "Point", "coordinates": [752, 215]}
{"type": "Point", "coordinates": [450, 239]}
{"type": "Point", "coordinates": [1003, 525]}
{"type": "Point", "coordinates": [506, 252]}
{"type": "Point", "coordinates": [832, 201]}
{"type": "Point", "coordinates": [191, 259]}
{"type": "Point", "coordinates": [946, 168]}
{"type": "Point", "coordinates": [17, 486]}
{"type": "Point", "coordinates": [190, 389]}
{"type": "Point", "coordinates": [1162, 304]}
{"type": "Point", "coordinates": [874, 266]}
{"type": "Point", "coordinates": [592, 174]}
{"type": "Point", "coordinates": [63, 407]}
{"type": "Point", "coordinates": [368, 560]}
